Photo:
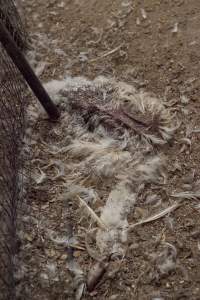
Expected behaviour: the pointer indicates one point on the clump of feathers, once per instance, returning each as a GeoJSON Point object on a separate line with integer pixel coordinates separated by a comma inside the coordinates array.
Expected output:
{"type": "Point", "coordinates": [119, 106]}
{"type": "Point", "coordinates": [109, 145]}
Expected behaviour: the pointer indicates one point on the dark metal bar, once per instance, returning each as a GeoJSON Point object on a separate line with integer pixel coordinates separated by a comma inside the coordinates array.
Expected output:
{"type": "Point", "coordinates": [22, 64]}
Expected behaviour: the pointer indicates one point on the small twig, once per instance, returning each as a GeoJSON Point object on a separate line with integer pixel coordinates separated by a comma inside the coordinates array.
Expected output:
{"type": "Point", "coordinates": [93, 214]}
{"type": "Point", "coordinates": [107, 53]}
{"type": "Point", "coordinates": [156, 216]}
{"type": "Point", "coordinates": [187, 195]}
{"type": "Point", "coordinates": [77, 247]}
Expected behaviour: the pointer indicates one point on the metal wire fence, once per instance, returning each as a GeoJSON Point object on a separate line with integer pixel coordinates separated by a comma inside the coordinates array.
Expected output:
{"type": "Point", "coordinates": [12, 20]}
{"type": "Point", "coordinates": [12, 128]}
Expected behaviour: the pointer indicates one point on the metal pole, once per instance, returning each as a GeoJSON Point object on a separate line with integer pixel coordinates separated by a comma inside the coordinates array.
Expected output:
{"type": "Point", "coordinates": [25, 69]}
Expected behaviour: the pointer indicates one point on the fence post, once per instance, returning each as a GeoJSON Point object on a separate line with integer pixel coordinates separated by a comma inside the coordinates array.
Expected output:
{"type": "Point", "coordinates": [25, 69]}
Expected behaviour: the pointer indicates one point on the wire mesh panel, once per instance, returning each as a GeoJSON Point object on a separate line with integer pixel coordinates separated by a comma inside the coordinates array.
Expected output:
{"type": "Point", "coordinates": [12, 127]}
{"type": "Point", "coordinates": [11, 19]}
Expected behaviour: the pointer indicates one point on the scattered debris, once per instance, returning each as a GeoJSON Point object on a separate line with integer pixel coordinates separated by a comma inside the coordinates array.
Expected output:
{"type": "Point", "coordinates": [115, 144]}
{"type": "Point", "coordinates": [138, 21]}
{"type": "Point", "coordinates": [184, 99]}
{"type": "Point", "coordinates": [175, 28]}
{"type": "Point", "coordinates": [143, 13]}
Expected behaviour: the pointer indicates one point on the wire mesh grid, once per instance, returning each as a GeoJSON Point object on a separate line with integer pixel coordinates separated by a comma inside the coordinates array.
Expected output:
{"type": "Point", "coordinates": [12, 20]}
{"type": "Point", "coordinates": [12, 128]}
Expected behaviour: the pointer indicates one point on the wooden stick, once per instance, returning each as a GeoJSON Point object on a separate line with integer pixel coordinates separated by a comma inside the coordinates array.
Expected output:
{"type": "Point", "coordinates": [25, 69]}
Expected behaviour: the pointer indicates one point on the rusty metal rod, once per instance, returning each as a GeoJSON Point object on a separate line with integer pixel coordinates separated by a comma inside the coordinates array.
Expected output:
{"type": "Point", "coordinates": [25, 69]}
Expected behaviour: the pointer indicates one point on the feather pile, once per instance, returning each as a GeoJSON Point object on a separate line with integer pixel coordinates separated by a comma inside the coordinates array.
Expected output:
{"type": "Point", "coordinates": [107, 149]}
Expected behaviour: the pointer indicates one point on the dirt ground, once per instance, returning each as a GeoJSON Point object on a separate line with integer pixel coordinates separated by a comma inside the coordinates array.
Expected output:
{"type": "Point", "coordinates": [153, 45]}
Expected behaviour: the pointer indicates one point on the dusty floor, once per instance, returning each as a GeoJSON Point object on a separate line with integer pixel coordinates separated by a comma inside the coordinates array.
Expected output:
{"type": "Point", "coordinates": [153, 45]}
